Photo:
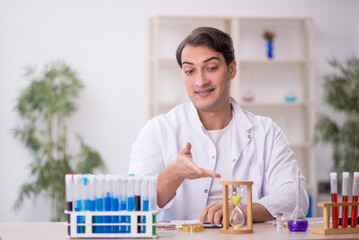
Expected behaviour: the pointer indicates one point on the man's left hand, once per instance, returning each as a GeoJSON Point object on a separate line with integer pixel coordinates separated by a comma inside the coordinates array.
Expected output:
{"type": "Point", "coordinates": [213, 213]}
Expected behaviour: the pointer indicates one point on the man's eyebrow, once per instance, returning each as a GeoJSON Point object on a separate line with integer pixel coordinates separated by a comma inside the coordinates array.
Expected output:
{"type": "Point", "coordinates": [211, 58]}
{"type": "Point", "coordinates": [205, 61]}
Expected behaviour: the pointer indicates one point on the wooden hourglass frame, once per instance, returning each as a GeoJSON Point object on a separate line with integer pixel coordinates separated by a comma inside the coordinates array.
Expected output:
{"type": "Point", "coordinates": [225, 207]}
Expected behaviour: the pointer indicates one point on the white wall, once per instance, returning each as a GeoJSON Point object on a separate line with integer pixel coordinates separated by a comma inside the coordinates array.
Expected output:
{"type": "Point", "coordinates": [106, 42]}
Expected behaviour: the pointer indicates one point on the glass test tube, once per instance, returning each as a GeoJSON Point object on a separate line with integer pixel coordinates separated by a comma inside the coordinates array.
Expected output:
{"type": "Point", "coordinates": [100, 196]}
{"type": "Point", "coordinates": [92, 197]}
{"type": "Point", "coordinates": [355, 199]}
{"type": "Point", "coordinates": [130, 192]}
{"type": "Point", "coordinates": [345, 193]}
{"type": "Point", "coordinates": [138, 180]}
{"type": "Point", "coordinates": [145, 198]}
{"type": "Point", "coordinates": [116, 202]}
{"type": "Point", "coordinates": [85, 192]}
{"type": "Point", "coordinates": [69, 180]}
{"type": "Point", "coordinates": [108, 200]}
{"type": "Point", "coordinates": [123, 200]}
{"type": "Point", "coordinates": [153, 199]}
{"type": "Point", "coordinates": [334, 196]}
{"type": "Point", "coordinates": [78, 201]}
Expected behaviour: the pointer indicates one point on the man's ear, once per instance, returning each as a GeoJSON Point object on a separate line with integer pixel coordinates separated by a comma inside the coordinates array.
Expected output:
{"type": "Point", "coordinates": [233, 69]}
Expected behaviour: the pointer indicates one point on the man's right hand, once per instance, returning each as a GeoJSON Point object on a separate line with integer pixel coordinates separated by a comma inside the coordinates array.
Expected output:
{"type": "Point", "coordinates": [186, 168]}
{"type": "Point", "coordinates": [176, 172]}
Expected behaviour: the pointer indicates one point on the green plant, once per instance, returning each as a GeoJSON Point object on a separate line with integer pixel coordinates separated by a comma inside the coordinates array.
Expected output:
{"type": "Point", "coordinates": [43, 107]}
{"type": "Point", "coordinates": [341, 93]}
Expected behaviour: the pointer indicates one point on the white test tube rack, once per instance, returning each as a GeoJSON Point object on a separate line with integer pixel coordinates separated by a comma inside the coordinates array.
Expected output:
{"type": "Point", "coordinates": [134, 224]}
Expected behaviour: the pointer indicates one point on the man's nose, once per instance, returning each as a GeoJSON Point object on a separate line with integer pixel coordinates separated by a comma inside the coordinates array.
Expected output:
{"type": "Point", "coordinates": [201, 79]}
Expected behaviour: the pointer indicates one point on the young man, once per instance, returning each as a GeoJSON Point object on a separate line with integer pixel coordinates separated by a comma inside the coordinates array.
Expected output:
{"type": "Point", "coordinates": [210, 138]}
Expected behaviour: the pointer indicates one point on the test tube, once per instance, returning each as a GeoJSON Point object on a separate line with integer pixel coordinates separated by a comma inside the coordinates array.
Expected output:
{"type": "Point", "coordinates": [116, 202]}
{"type": "Point", "coordinates": [78, 201]}
{"type": "Point", "coordinates": [92, 197]}
{"type": "Point", "coordinates": [108, 200]}
{"type": "Point", "coordinates": [130, 192]}
{"type": "Point", "coordinates": [138, 180]}
{"type": "Point", "coordinates": [355, 199]}
{"type": "Point", "coordinates": [145, 198]}
{"type": "Point", "coordinates": [85, 192]}
{"type": "Point", "coordinates": [69, 180]}
{"type": "Point", "coordinates": [100, 196]}
{"type": "Point", "coordinates": [153, 199]}
{"type": "Point", "coordinates": [123, 199]}
{"type": "Point", "coordinates": [334, 196]}
{"type": "Point", "coordinates": [345, 193]}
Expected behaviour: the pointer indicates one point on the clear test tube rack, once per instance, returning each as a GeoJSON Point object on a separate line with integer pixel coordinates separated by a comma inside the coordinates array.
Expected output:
{"type": "Point", "coordinates": [88, 224]}
{"type": "Point", "coordinates": [326, 230]}
{"type": "Point", "coordinates": [225, 222]}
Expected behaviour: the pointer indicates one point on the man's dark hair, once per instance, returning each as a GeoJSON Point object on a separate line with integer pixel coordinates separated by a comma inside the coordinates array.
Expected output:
{"type": "Point", "coordinates": [210, 37]}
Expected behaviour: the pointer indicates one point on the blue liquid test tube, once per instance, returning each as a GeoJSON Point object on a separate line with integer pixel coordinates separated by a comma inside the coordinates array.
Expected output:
{"type": "Point", "coordinates": [108, 201]}
{"type": "Point", "coordinates": [116, 201]}
{"type": "Point", "coordinates": [130, 199]}
{"type": "Point", "coordinates": [78, 201]}
{"type": "Point", "coordinates": [145, 198]}
{"type": "Point", "coordinates": [100, 196]}
{"type": "Point", "coordinates": [69, 180]}
{"type": "Point", "coordinates": [123, 200]}
{"type": "Point", "coordinates": [92, 198]}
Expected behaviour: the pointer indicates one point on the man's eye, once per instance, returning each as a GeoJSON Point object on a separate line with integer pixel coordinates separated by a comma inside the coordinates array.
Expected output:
{"type": "Point", "coordinates": [188, 72]}
{"type": "Point", "coordinates": [211, 68]}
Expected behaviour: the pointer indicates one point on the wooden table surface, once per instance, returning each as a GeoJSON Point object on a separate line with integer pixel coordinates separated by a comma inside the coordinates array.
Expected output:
{"type": "Point", "coordinates": [57, 231]}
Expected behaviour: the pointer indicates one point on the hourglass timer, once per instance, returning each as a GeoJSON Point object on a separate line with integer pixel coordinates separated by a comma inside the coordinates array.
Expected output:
{"type": "Point", "coordinates": [236, 219]}
{"type": "Point", "coordinates": [234, 222]}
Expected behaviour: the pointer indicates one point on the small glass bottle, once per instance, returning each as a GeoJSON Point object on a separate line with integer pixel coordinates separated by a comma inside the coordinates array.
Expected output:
{"type": "Point", "coordinates": [279, 221]}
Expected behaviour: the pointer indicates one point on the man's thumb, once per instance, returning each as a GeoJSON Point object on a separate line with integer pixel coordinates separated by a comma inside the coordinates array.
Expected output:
{"type": "Point", "coordinates": [186, 149]}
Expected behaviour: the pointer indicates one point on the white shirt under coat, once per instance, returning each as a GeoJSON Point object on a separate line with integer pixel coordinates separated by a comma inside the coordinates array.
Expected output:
{"type": "Point", "coordinates": [260, 153]}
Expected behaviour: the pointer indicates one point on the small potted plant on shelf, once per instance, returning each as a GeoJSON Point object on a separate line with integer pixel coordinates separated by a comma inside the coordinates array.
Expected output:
{"type": "Point", "coordinates": [269, 37]}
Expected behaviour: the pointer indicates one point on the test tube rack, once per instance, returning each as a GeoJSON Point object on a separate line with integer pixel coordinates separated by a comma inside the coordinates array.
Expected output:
{"type": "Point", "coordinates": [225, 207]}
{"type": "Point", "coordinates": [326, 230]}
{"type": "Point", "coordinates": [149, 227]}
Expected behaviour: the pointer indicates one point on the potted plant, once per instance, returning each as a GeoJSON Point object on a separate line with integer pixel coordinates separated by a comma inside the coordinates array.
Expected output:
{"type": "Point", "coordinates": [341, 93]}
{"type": "Point", "coordinates": [43, 107]}
{"type": "Point", "coordinates": [269, 37]}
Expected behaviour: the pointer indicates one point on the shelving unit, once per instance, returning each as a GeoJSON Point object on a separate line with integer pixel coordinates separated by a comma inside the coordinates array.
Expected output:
{"type": "Point", "coordinates": [268, 80]}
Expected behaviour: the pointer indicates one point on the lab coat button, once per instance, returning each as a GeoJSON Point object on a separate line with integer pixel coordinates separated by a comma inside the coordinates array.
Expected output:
{"type": "Point", "coordinates": [213, 157]}
{"type": "Point", "coordinates": [234, 160]}
{"type": "Point", "coordinates": [206, 191]}
{"type": "Point", "coordinates": [249, 136]}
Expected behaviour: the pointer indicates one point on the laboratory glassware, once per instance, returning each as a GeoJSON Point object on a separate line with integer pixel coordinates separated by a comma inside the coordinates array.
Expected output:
{"type": "Point", "coordinates": [345, 193]}
{"type": "Point", "coordinates": [298, 222]}
{"type": "Point", "coordinates": [334, 196]}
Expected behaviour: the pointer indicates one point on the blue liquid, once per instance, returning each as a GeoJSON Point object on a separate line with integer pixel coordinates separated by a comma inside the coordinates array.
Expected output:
{"type": "Point", "coordinates": [99, 219]}
{"type": "Point", "coordinates": [130, 207]}
{"type": "Point", "coordinates": [116, 219]}
{"type": "Point", "coordinates": [92, 208]}
{"type": "Point", "coordinates": [145, 207]}
{"type": "Point", "coordinates": [290, 98]}
{"type": "Point", "coordinates": [80, 219]}
{"type": "Point", "coordinates": [123, 218]}
{"type": "Point", "coordinates": [108, 219]}
{"type": "Point", "coordinates": [298, 226]}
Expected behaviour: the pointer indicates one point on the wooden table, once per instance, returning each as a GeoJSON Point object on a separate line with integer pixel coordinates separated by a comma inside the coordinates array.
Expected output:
{"type": "Point", "coordinates": [57, 231]}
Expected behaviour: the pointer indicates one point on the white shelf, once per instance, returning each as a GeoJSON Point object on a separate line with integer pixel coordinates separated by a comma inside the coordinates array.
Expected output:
{"type": "Point", "coordinates": [273, 104]}
{"type": "Point", "coordinates": [272, 61]}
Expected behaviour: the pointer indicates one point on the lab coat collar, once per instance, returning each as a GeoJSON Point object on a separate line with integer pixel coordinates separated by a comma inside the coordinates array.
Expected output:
{"type": "Point", "coordinates": [241, 134]}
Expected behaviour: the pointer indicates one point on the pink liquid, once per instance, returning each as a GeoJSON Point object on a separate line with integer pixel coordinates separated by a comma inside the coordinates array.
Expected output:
{"type": "Point", "coordinates": [345, 213]}
{"type": "Point", "coordinates": [354, 212]}
{"type": "Point", "coordinates": [335, 211]}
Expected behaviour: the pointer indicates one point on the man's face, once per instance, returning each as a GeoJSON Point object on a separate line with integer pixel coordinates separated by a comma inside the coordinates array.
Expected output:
{"type": "Point", "coordinates": [207, 77]}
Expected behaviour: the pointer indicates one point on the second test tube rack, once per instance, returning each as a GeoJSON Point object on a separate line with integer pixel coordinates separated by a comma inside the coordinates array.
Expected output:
{"type": "Point", "coordinates": [326, 230]}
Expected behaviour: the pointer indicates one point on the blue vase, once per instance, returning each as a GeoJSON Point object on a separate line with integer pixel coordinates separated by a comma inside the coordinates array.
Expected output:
{"type": "Point", "coordinates": [270, 48]}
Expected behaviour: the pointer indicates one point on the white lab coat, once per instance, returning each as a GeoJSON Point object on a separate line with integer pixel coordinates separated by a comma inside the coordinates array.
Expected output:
{"type": "Point", "coordinates": [260, 153]}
